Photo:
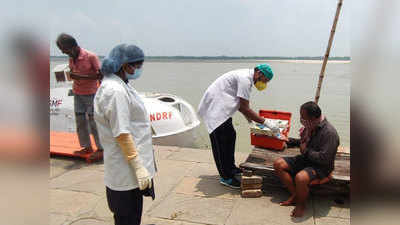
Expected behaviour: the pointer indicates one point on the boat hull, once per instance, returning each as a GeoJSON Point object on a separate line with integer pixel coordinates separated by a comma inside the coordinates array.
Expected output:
{"type": "Point", "coordinates": [187, 139]}
{"type": "Point", "coordinates": [173, 120]}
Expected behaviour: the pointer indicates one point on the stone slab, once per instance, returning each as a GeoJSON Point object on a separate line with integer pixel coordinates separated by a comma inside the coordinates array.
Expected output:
{"type": "Point", "coordinates": [204, 170]}
{"type": "Point", "coordinates": [331, 221]}
{"type": "Point", "coordinates": [61, 165]}
{"type": "Point", "coordinates": [260, 211]}
{"type": "Point", "coordinates": [205, 187]}
{"type": "Point", "coordinates": [90, 222]}
{"type": "Point", "coordinates": [71, 203]}
{"type": "Point", "coordinates": [57, 219]}
{"type": "Point", "coordinates": [188, 192]}
{"type": "Point", "coordinates": [327, 207]}
{"type": "Point", "coordinates": [158, 221]}
{"type": "Point", "coordinates": [168, 176]}
{"type": "Point", "coordinates": [84, 180]}
{"type": "Point", "coordinates": [192, 155]}
{"type": "Point", "coordinates": [163, 152]}
{"type": "Point", "coordinates": [101, 210]}
{"type": "Point", "coordinates": [194, 209]}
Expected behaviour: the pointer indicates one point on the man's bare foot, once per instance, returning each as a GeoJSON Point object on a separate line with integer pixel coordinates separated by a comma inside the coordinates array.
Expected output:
{"type": "Point", "coordinates": [84, 151]}
{"type": "Point", "coordinates": [298, 211]}
{"type": "Point", "coordinates": [290, 202]}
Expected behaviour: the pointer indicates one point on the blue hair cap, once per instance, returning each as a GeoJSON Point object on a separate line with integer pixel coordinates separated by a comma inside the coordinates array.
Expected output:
{"type": "Point", "coordinates": [119, 55]}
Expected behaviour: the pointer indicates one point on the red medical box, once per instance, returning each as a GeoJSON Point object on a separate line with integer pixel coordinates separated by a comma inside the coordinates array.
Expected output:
{"type": "Point", "coordinates": [274, 143]}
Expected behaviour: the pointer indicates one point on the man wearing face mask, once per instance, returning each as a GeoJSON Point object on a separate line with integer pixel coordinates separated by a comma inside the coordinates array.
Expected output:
{"type": "Point", "coordinates": [85, 72]}
{"type": "Point", "coordinates": [318, 146]}
{"type": "Point", "coordinates": [228, 94]}
{"type": "Point", "coordinates": [125, 132]}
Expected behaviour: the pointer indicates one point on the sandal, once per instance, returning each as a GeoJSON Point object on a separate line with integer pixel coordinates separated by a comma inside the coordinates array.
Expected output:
{"type": "Point", "coordinates": [84, 151]}
{"type": "Point", "coordinates": [96, 155]}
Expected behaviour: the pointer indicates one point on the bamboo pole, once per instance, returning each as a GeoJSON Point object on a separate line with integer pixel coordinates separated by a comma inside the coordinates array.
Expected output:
{"type": "Point", "coordinates": [328, 49]}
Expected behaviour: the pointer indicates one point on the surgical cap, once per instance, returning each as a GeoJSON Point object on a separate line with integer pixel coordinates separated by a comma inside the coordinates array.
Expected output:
{"type": "Point", "coordinates": [266, 70]}
{"type": "Point", "coordinates": [119, 55]}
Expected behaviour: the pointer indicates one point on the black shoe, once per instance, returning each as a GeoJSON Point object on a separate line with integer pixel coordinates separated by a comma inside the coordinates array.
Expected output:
{"type": "Point", "coordinates": [236, 170]}
{"type": "Point", "coordinates": [238, 177]}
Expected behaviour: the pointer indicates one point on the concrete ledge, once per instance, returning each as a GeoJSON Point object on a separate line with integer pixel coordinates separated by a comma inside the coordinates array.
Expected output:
{"type": "Point", "coordinates": [188, 192]}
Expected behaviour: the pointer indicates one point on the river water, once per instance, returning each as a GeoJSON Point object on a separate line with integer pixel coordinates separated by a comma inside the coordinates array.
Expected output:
{"type": "Point", "coordinates": [294, 83]}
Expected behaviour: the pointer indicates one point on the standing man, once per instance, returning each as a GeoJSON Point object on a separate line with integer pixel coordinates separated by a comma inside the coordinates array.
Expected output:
{"type": "Point", "coordinates": [85, 72]}
{"type": "Point", "coordinates": [228, 94]}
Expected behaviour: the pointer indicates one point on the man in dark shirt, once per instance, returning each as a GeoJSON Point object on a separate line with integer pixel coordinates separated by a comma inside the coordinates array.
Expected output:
{"type": "Point", "coordinates": [318, 146]}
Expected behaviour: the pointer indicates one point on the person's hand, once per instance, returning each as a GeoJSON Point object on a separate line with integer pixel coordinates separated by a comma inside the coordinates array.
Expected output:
{"type": "Point", "coordinates": [249, 120]}
{"type": "Point", "coordinates": [73, 76]}
{"type": "Point", "coordinates": [99, 76]}
{"type": "Point", "coordinates": [284, 138]}
{"type": "Point", "coordinates": [142, 175]}
{"type": "Point", "coordinates": [303, 147]}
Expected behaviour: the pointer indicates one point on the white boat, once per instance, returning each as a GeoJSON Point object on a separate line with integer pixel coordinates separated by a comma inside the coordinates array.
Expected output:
{"type": "Point", "coordinates": [173, 120]}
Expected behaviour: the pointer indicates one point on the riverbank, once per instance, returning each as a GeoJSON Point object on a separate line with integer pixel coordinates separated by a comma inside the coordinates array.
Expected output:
{"type": "Point", "coordinates": [187, 193]}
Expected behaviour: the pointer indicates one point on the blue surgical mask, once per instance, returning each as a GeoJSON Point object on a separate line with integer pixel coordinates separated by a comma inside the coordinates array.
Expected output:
{"type": "Point", "coordinates": [135, 75]}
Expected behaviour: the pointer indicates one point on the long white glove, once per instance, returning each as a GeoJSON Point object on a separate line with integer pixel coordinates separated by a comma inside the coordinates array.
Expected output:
{"type": "Point", "coordinates": [271, 126]}
{"type": "Point", "coordinates": [143, 176]}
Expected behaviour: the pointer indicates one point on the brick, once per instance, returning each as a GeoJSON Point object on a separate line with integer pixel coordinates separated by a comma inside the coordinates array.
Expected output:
{"type": "Point", "coordinates": [251, 193]}
{"type": "Point", "coordinates": [252, 180]}
{"type": "Point", "coordinates": [247, 173]}
{"type": "Point", "coordinates": [250, 186]}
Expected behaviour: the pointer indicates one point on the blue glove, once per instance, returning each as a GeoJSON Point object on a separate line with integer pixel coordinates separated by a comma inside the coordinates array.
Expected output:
{"type": "Point", "coordinates": [261, 126]}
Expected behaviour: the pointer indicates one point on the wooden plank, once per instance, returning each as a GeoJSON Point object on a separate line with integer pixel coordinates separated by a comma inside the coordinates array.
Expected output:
{"type": "Point", "coordinates": [343, 152]}
{"type": "Point", "coordinates": [261, 161]}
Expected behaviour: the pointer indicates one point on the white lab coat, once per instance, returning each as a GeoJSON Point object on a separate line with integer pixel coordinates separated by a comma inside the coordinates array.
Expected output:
{"type": "Point", "coordinates": [222, 98]}
{"type": "Point", "coordinates": [119, 109]}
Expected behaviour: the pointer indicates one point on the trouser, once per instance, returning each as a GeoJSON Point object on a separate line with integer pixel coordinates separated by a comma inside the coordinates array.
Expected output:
{"type": "Point", "coordinates": [223, 140]}
{"type": "Point", "coordinates": [83, 104]}
{"type": "Point", "coordinates": [127, 206]}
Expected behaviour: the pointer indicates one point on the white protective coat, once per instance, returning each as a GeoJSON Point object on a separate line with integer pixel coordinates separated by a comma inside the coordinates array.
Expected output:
{"type": "Point", "coordinates": [222, 98]}
{"type": "Point", "coordinates": [119, 109]}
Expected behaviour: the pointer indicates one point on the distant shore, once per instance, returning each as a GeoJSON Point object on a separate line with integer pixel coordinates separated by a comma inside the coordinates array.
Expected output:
{"type": "Point", "coordinates": [317, 59]}
{"type": "Point", "coordinates": [311, 61]}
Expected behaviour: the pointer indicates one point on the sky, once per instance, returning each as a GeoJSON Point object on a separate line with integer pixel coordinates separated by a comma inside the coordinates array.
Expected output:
{"type": "Point", "coordinates": [203, 28]}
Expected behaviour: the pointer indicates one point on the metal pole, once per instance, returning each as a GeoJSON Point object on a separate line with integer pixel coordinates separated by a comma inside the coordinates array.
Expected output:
{"type": "Point", "coordinates": [328, 49]}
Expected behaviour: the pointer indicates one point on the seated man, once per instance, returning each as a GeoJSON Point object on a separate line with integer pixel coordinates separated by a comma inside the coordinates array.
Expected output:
{"type": "Point", "coordinates": [318, 146]}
